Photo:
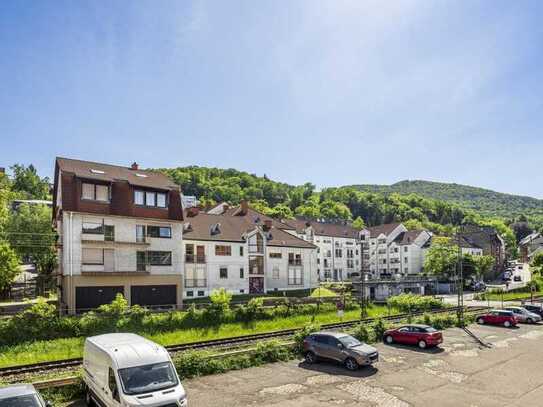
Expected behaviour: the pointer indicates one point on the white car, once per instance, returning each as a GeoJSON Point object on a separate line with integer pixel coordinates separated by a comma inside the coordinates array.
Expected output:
{"type": "Point", "coordinates": [21, 395]}
{"type": "Point", "coordinates": [523, 315]}
{"type": "Point", "coordinates": [127, 370]}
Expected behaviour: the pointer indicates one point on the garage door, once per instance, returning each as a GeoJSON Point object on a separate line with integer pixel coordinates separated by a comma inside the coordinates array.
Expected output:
{"type": "Point", "coordinates": [153, 295]}
{"type": "Point", "coordinates": [87, 298]}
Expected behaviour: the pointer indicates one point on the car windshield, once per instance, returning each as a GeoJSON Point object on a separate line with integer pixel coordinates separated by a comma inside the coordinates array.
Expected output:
{"type": "Point", "coordinates": [349, 341]}
{"type": "Point", "coordinates": [145, 379]}
{"type": "Point", "coordinates": [29, 400]}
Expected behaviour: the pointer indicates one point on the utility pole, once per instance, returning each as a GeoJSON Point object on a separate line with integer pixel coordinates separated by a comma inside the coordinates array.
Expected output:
{"type": "Point", "coordinates": [460, 286]}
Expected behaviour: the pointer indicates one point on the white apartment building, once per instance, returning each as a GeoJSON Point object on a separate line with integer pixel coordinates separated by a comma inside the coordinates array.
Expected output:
{"type": "Point", "coordinates": [338, 247]}
{"type": "Point", "coordinates": [244, 252]}
{"type": "Point", "coordinates": [120, 232]}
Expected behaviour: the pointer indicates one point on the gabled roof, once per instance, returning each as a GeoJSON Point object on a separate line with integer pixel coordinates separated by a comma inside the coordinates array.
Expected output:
{"type": "Point", "coordinates": [110, 173]}
{"type": "Point", "coordinates": [335, 230]}
{"type": "Point", "coordinates": [466, 242]}
{"type": "Point", "coordinates": [386, 229]}
{"type": "Point", "coordinates": [529, 238]}
{"type": "Point", "coordinates": [233, 228]}
{"type": "Point", "coordinates": [409, 237]}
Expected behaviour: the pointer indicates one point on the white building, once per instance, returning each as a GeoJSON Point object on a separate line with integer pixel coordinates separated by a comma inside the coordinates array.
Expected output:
{"type": "Point", "coordinates": [120, 232]}
{"type": "Point", "coordinates": [244, 252]}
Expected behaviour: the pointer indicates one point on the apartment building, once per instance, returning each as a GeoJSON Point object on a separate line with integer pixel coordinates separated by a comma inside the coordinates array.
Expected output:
{"type": "Point", "coordinates": [338, 247]}
{"type": "Point", "coordinates": [489, 240]}
{"type": "Point", "coordinates": [244, 252]}
{"type": "Point", "coordinates": [120, 232]}
{"type": "Point", "coordinates": [529, 246]}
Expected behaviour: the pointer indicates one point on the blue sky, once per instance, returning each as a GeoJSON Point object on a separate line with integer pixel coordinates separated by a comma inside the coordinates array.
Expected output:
{"type": "Point", "coordinates": [331, 92]}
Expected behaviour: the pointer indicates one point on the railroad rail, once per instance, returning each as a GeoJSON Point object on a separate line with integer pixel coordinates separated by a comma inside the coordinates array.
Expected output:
{"type": "Point", "coordinates": [230, 342]}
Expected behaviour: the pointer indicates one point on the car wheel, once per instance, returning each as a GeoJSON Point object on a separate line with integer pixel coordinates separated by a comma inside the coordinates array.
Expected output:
{"type": "Point", "coordinates": [529, 321]}
{"type": "Point", "coordinates": [88, 399]}
{"type": "Point", "coordinates": [310, 357]}
{"type": "Point", "coordinates": [507, 324]}
{"type": "Point", "coordinates": [351, 364]}
{"type": "Point", "coordinates": [389, 339]}
{"type": "Point", "coordinates": [422, 344]}
{"type": "Point", "coordinates": [480, 321]}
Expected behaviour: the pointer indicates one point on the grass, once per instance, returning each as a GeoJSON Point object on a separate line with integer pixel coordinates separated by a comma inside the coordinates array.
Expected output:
{"type": "Point", "coordinates": [323, 292]}
{"type": "Point", "coordinates": [510, 296]}
{"type": "Point", "coordinates": [57, 349]}
{"type": "Point", "coordinates": [247, 297]}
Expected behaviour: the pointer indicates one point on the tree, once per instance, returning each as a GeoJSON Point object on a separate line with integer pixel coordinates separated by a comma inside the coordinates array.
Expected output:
{"type": "Point", "coordinates": [27, 181]}
{"type": "Point", "coordinates": [281, 211]}
{"type": "Point", "coordinates": [9, 265]}
{"type": "Point", "coordinates": [537, 263]}
{"type": "Point", "coordinates": [484, 265]}
{"type": "Point", "coordinates": [358, 223]}
{"type": "Point", "coordinates": [30, 235]}
{"type": "Point", "coordinates": [442, 258]}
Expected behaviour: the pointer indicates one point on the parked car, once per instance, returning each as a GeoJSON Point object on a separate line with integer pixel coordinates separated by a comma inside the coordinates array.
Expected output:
{"type": "Point", "coordinates": [21, 395]}
{"type": "Point", "coordinates": [498, 317]}
{"type": "Point", "coordinates": [478, 286]}
{"type": "Point", "coordinates": [128, 370]}
{"type": "Point", "coordinates": [339, 347]}
{"type": "Point", "coordinates": [421, 335]}
{"type": "Point", "coordinates": [523, 315]}
{"type": "Point", "coordinates": [536, 308]}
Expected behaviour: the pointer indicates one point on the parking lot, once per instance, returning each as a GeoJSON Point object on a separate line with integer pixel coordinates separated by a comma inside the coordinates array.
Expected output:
{"type": "Point", "coordinates": [460, 373]}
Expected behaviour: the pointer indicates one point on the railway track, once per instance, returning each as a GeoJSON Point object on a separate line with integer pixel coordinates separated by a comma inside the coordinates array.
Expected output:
{"type": "Point", "coordinates": [227, 342]}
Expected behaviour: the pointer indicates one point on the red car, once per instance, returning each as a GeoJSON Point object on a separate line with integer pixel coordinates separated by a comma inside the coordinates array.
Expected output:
{"type": "Point", "coordinates": [498, 317]}
{"type": "Point", "coordinates": [421, 335]}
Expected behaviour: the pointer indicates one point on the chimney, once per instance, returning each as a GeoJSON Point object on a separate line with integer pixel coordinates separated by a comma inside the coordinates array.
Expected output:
{"type": "Point", "coordinates": [244, 208]}
{"type": "Point", "coordinates": [267, 225]}
{"type": "Point", "coordinates": [134, 166]}
{"type": "Point", "coordinates": [192, 212]}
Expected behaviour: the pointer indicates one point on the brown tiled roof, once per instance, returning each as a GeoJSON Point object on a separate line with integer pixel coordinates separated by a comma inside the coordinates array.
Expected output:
{"type": "Point", "coordinates": [82, 169]}
{"type": "Point", "coordinates": [296, 224]}
{"type": "Point", "coordinates": [334, 230]}
{"type": "Point", "coordinates": [253, 214]}
{"type": "Point", "coordinates": [385, 229]}
{"type": "Point", "coordinates": [408, 237]}
{"type": "Point", "coordinates": [232, 229]}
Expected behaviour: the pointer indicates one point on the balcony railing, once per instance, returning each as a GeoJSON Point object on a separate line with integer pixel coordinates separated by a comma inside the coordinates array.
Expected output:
{"type": "Point", "coordinates": [296, 281]}
{"type": "Point", "coordinates": [195, 282]}
{"type": "Point", "coordinates": [195, 258]}
{"type": "Point", "coordinates": [296, 263]}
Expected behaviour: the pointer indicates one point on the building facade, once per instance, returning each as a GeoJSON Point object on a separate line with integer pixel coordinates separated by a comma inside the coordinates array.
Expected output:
{"type": "Point", "coordinates": [120, 232]}
{"type": "Point", "coordinates": [489, 240]}
{"type": "Point", "coordinates": [529, 246]}
{"type": "Point", "coordinates": [244, 252]}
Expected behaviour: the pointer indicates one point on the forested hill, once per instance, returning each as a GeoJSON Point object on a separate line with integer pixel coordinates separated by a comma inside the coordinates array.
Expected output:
{"type": "Point", "coordinates": [282, 200]}
{"type": "Point", "coordinates": [482, 200]}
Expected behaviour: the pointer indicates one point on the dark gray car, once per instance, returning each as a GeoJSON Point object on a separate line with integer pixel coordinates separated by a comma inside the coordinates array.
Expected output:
{"type": "Point", "coordinates": [21, 395]}
{"type": "Point", "coordinates": [339, 347]}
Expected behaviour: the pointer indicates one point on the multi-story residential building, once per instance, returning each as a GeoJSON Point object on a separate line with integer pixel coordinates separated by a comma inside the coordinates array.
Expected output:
{"type": "Point", "coordinates": [120, 232]}
{"type": "Point", "coordinates": [529, 246]}
{"type": "Point", "coordinates": [391, 250]}
{"type": "Point", "coordinates": [339, 247]}
{"type": "Point", "coordinates": [243, 251]}
{"type": "Point", "coordinates": [489, 240]}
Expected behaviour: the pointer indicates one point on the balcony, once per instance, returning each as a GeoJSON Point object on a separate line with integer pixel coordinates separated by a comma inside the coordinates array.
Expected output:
{"type": "Point", "coordinates": [297, 263]}
{"type": "Point", "coordinates": [195, 258]}
{"type": "Point", "coordinates": [195, 282]}
{"type": "Point", "coordinates": [295, 281]}
{"type": "Point", "coordinates": [109, 241]}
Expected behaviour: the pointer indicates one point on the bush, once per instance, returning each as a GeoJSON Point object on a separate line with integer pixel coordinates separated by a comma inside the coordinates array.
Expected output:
{"type": "Point", "coordinates": [363, 334]}
{"type": "Point", "coordinates": [412, 302]}
{"type": "Point", "coordinates": [302, 334]}
{"type": "Point", "coordinates": [379, 328]}
{"type": "Point", "coordinates": [219, 308]}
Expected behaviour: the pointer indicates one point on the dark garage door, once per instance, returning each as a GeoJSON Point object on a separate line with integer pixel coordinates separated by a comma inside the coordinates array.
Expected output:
{"type": "Point", "coordinates": [153, 295]}
{"type": "Point", "coordinates": [92, 297]}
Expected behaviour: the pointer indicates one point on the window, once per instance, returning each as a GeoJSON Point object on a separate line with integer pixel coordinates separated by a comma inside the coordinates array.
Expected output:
{"type": "Point", "coordinates": [190, 293]}
{"type": "Point", "coordinates": [241, 291]}
{"type": "Point", "coordinates": [405, 249]}
{"type": "Point", "coordinates": [339, 253]}
{"type": "Point", "coordinates": [405, 259]}
{"type": "Point", "coordinates": [92, 256]}
{"type": "Point", "coordinates": [221, 250]}
{"type": "Point", "coordinates": [156, 258]}
{"type": "Point", "coordinates": [109, 233]}
{"type": "Point", "coordinates": [150, 198]}
{"type": "Point", "coordinates": [91, 228]}
{"type": "Point", "coordinates": [275, 272]}
{"type": "Point", "coordinates": [256, 243]}
{"type": "Point", "coordinates": [294, 276]}
{"type": "Point", "coordinates": [159, 231]}
{"type": "Point", "coordinates": [140, 233]}
{"type": "Point", "coordinates": [201, 293]}
{"type": "Point", "coordinates": [241, 251]}
{"type": "Point", "coordinates": [95, 192]}
{"type": "Point", "coordinates": [112, 383]}
{"type": "Point", "coordinates": [241, 273]}
{"type": "Point", "coordinates": [294, 259]}
{"type": "Point", "coordinates": [223, 272]}
{"type": "Point", "coordinates": [275, 255]}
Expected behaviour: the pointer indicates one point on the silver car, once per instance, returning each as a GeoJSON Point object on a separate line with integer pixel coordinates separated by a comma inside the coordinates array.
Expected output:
{"type": "Point", "coordinates": [21, 395]}
{"type": "Point", "coordinates": [339, 347]}
{"type": "Point", "coordinates": [523, 315]}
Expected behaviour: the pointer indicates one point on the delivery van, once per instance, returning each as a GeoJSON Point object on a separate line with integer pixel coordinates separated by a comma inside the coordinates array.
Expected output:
{"type": "Point", "coordinates": [123, 369]}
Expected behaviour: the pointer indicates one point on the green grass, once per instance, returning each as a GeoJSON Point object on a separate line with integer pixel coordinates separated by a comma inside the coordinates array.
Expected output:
{"type": "Point", "coordinates": [42, 351]}
{"type": "Point", "coordinates": [322, 292]}
{"type": "Point", "coordinates": [510, 296]}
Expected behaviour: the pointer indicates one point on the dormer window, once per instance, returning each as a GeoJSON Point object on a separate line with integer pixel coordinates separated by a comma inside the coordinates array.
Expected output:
{"type": "Point", "coordinates": [215, 229]}
{"type": "Point", "coordinates": [97, 171]}
{"type": "Point", "coordinates": [95, 192]}
{"type": "Point", "coordinates": [150, 198]}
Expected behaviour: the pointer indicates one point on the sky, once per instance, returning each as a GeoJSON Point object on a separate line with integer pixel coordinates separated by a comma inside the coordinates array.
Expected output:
{"type": "Point", "coordinates": [329, 92]}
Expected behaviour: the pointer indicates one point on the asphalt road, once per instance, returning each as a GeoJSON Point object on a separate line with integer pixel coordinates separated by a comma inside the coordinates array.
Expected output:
{"type": "Point", "coordinates": [459, 373]}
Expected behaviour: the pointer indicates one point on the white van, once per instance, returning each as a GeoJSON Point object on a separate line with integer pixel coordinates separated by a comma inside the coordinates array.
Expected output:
{"type": "Point", "coordinates": [128, 370]}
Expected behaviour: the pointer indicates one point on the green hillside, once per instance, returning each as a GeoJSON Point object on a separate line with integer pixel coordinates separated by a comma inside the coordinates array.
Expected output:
{"type": "Point", "coordinates": [484, 201]}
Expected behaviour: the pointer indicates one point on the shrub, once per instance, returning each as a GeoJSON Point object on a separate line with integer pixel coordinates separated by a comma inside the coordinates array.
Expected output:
{"type": "Point", "coordinates": [379, 328]}
{"type": "Point", "coordinates": [412, 302]}
{"type": "Point", "coordinates": [302, 334]}
{"type": "Point", "coordinates": [219, 308]}
{"type": "Point", "coordinates": [362, 333]}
